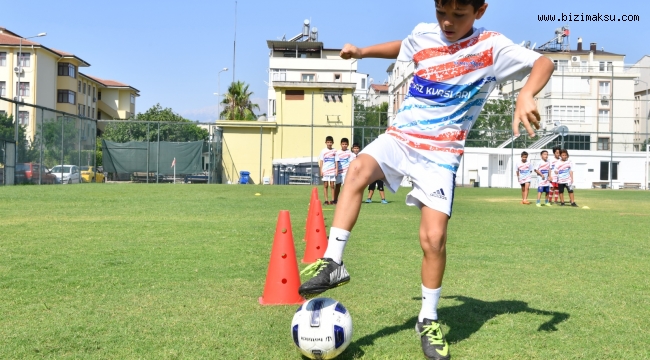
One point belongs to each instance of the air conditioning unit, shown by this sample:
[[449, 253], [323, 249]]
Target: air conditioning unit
[[19, 70], [94, 99], [604, 98], [575, 59]]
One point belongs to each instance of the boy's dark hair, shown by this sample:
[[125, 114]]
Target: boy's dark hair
[[329, 138], [524, 153], [543, 151], [475, 3], [556, 148], [345, 140], [564, 151], [356, 145]]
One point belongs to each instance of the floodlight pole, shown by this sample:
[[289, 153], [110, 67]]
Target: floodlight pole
[[647, 152]]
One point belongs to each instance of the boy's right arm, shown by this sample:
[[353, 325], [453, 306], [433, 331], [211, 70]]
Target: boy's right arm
[[388, 50]]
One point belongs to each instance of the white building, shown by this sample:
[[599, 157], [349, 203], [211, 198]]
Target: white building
[[642, 100], [304, 59], [377, 94]]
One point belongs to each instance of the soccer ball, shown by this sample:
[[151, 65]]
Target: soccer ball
[[322, 328]]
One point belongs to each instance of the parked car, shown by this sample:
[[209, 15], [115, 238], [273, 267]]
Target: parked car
[[67, 174], [31, 173], [90, 174]]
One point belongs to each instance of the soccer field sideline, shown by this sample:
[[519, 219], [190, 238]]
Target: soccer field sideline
[[137, 271]]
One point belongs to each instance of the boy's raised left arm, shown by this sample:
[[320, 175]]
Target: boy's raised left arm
[[526, 109]]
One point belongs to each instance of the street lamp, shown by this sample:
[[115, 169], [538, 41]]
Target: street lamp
[[219, 93], [19, 70]]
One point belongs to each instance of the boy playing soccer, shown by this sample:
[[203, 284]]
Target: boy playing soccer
[[524, 174], [457, 67], [328, 167], [543, 184], [564, 171], [555, 194], [343, 158]]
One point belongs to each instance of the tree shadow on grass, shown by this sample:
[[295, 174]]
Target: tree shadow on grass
[[463, 320]]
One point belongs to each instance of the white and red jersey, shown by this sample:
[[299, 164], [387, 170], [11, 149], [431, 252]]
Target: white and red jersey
[[328, 157], [544, 167], [343, 159], [450, 86], [553, 169], [525, 170], [564, 169]]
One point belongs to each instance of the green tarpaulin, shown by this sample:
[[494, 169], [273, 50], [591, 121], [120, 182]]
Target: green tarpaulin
[[131, 157]]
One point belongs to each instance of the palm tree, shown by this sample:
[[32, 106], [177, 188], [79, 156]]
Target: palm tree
[[237, 103]]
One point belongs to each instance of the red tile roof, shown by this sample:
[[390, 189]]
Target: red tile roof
[[10, 38], [110, 83], [7, 39], [379, 88]]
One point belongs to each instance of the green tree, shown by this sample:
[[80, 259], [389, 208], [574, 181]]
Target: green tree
[[369, 122], [175, 128], [7, 130], [493, 125], [237, 103]]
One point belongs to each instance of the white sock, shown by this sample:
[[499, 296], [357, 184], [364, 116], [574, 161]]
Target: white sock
[[336, 244], [430, 299]]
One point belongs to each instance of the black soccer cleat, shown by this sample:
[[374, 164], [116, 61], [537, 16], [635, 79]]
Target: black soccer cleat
[[326, 274], [574, 204], [434, 345]]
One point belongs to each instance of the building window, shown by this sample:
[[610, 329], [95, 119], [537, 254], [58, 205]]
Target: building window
[[94, 94], [24, 59], [333, 96], [574, 142], [99, 95], [560, 64], [65, 97], [604, 170], [23, 89], [603, 143], [23, 118], [132, 99], [3, 88], [278, 75], [79, 109], [295, 95], [66, 69], [363, 83], [79, 86], [308, 77], [92, 113], [603, 88], [3, 59], [605, 66], [565, 113], [84, 87], [83, 110], [337, 77], [603, 116]]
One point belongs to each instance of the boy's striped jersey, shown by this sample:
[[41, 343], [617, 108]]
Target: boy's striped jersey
[[525, 171], [328, 157], [544, 168], [450, 86], [343, 159], [564, 169], [554, 163]]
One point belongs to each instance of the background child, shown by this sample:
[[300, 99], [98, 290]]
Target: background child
[[543, 185], [328, 167], [379, 185], [355, 150], [564, 170], [524, 173], [343, 158], [555, 194]]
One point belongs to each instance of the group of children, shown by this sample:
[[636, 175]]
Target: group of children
[[554, 176], [334, 165]]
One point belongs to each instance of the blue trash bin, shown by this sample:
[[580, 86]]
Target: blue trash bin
[[244, 177]]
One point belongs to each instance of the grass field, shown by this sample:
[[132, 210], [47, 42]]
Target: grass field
[[104, 271]]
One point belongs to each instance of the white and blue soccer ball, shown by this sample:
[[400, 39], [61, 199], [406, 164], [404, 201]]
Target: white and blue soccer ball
[[322, 328]]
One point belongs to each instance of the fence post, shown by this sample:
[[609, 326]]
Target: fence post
[[63, 118], [611, 137], [148, 152], [311, 159], [40, 150], [158, 156], [79, 149], [261, 127]]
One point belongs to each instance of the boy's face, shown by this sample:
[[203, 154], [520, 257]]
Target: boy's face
[[355, 150], [456, 21], [524, 158], [544, 156], [565, 156], [344, 146], [329, 143], [557, 154]]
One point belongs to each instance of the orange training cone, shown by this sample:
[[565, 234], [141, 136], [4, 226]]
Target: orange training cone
[[282, 278], [314, 198], [316, 236]]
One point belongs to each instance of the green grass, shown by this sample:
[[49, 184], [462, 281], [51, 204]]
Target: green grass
[[103, 271]]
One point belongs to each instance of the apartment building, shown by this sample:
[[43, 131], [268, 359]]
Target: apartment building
[[377, 94], [642, 101], [51, 78]]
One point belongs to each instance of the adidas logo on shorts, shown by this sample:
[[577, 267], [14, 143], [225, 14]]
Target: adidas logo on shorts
[[439, 194]]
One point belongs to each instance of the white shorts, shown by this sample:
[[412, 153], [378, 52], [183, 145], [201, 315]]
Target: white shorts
[[433, 185], [340, 179], [329, 178]]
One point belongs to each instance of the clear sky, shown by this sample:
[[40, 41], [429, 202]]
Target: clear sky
[[172, 50]]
